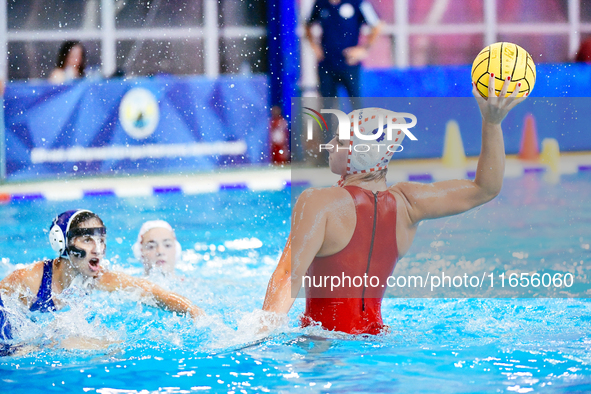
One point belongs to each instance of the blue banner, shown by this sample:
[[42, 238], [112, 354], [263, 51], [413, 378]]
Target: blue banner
[[565, 119], [135, 126], [553, 80]]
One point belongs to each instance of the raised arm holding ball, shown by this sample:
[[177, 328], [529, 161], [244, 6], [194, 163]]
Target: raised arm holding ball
[[364, 227]]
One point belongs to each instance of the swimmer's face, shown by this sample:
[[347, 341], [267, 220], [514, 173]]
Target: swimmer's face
[[159, 250], [337, 158], [93, 247], [74, 58]]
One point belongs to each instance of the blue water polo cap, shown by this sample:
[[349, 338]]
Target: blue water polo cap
[[58, 232]]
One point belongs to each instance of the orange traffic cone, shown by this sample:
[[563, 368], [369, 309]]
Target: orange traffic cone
[[529, 140]]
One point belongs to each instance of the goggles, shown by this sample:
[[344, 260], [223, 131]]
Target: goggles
[[97, 234], [88, 231]]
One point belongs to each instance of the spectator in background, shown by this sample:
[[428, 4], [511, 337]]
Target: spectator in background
[[340, 54], [71, 61], [584, 52]]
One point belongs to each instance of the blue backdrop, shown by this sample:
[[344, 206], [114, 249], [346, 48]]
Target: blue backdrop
[[565, 119], [234, 109], [195, 113], [553, 80], [560, 103]]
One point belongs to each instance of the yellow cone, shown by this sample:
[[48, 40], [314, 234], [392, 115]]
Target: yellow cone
[[550, 154], [453, 148]]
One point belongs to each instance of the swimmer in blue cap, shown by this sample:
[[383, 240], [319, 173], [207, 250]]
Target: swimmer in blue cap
[[79, 239]]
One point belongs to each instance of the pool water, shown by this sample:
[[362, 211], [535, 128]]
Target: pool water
[[232, 241]]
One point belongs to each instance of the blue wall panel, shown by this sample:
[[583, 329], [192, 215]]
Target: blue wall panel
[[194, 112], [553, 80]]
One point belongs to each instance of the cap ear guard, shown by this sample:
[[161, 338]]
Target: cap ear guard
[[364, 159], [59, 230], [369, 121], [57, 240]]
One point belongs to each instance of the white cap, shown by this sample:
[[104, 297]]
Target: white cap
[[367, 122]]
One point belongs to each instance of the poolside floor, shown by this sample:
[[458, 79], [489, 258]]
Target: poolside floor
[[264, 178]]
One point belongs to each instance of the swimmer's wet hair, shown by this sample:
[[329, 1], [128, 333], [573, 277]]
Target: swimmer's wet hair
[[374, 176], [83, 217]]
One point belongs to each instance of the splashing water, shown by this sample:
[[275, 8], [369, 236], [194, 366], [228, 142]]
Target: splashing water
[[113, 343]]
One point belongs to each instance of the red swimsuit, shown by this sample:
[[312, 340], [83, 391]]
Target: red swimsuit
[[355, 306]]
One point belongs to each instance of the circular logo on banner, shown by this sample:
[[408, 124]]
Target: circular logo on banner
[[346, 11], [138, 113]]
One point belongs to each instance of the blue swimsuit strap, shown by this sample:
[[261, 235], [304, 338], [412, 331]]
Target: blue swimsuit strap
[[5, 329], [44, 302], [5, 333]]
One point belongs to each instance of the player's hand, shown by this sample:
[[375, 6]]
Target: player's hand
[[494, 108], [318, 52], [354, 55]]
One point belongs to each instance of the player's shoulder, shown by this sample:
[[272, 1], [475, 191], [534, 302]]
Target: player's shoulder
[[29, 275], [317, 198], [314, 193], [406, 188], [406, 193], [398, 189], [32, 272]]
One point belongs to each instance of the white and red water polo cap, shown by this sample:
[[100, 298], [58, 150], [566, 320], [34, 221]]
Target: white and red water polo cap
[[371, 155]]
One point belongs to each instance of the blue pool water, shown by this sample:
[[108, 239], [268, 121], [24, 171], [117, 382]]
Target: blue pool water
[[232, 241]]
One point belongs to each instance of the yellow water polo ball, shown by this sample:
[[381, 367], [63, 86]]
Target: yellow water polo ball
[[504, 59]]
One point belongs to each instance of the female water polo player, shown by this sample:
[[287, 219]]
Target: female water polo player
[[157, 247], [363, 227], [79, 239]]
